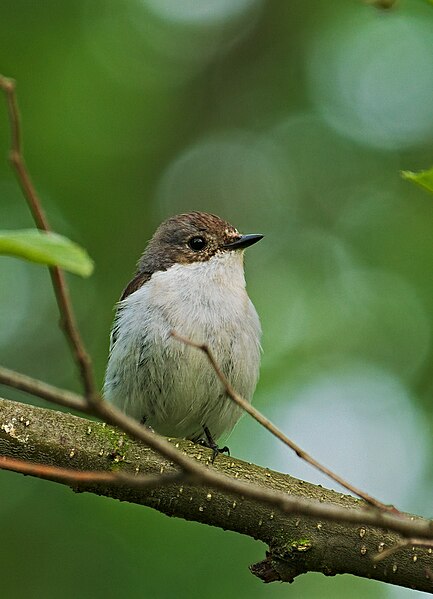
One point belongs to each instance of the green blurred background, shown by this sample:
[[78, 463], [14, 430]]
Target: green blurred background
[[290, 119]]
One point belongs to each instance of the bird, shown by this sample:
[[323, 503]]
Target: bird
[[190, 281]]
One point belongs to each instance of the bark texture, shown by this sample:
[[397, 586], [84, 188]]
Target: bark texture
[[296, 544]]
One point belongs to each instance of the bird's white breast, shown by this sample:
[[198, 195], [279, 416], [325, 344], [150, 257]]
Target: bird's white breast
[[150, 374]]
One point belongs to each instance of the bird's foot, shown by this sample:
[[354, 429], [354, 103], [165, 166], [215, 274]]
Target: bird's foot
[[210, 443]]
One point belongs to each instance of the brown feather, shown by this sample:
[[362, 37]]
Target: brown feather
[[137, 282]]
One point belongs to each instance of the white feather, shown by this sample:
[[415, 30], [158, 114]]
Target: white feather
[[152, 375]]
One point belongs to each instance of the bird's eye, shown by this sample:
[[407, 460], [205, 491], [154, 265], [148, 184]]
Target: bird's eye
[[197, 243]]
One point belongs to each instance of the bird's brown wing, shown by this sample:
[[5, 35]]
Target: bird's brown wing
[[136, 283]]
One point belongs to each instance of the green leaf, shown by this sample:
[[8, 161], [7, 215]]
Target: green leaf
[[46, 248], [422, 178]]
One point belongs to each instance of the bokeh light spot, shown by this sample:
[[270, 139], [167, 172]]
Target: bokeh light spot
[[200, 11], [372, 78]]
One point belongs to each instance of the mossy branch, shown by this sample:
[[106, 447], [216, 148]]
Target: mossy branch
[[295, 544]]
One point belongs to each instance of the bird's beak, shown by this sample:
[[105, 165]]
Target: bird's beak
[[243, 242]]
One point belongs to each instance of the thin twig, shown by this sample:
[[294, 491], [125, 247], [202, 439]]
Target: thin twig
[[261, 419], [404, 544], [64, 398], [80, 477], [68, 320]]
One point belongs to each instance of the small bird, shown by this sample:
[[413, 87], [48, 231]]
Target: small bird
[[190, 279]]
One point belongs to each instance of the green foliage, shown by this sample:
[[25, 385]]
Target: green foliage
[[46, 248], [422, 178]]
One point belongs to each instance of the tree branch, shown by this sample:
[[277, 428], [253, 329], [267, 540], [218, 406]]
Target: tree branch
[[296, 544], [62, 397]]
